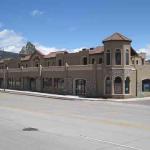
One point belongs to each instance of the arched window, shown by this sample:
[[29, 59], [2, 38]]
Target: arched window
[[118, 85], [108, 58], [127, 57], [146, 85], [127, 85], [118, 57], [108, 85]]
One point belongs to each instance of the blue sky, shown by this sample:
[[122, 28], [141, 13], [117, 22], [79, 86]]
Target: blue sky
[[72, 24]]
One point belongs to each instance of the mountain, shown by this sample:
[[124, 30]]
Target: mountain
[[28, 49], [4, 55]]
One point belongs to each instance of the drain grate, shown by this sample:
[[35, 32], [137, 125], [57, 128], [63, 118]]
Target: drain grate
[[30, 129]]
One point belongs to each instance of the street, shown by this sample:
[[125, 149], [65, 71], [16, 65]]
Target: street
[[72, 124]]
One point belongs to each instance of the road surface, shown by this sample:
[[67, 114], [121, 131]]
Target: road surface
[[72, 125]]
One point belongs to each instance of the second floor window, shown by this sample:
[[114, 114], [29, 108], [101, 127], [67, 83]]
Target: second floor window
[[118, 57], [100, 60], [127, 57], [59, 62], [108, 57], [84, 60], [93, 61]]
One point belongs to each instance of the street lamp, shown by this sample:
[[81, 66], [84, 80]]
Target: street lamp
[[5, 77]]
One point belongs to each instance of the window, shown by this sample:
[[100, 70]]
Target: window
[[118, 57], [137, 62], [37, 65], [127, 85], [47, 82], [26, 65], [100, 60], [59, 62], [59, 83], [18, 65], [108, 57], [133, 62], [18, 83], [48, 63], [118, 85], [142, 61], [84, 60], [108, 86], [93, 61], [146, 85], [127, 57]]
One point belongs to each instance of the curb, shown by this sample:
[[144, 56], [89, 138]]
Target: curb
[[50, 96], [70, 97]]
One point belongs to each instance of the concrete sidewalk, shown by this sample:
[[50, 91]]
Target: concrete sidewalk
[[68, 97]]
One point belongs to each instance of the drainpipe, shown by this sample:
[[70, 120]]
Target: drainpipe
[[136, 83]]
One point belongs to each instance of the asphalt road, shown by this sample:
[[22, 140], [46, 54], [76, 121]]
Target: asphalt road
[[72, 125]]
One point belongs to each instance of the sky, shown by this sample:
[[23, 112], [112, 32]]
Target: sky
[[72, 24]]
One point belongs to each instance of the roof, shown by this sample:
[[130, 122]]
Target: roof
[[25, 58], [50, 55], [97, 50], [117, 37], [53, 54]]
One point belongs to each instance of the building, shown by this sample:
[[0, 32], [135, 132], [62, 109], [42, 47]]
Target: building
[[113, 70]]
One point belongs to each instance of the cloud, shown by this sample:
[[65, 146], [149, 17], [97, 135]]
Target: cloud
[[37, 13], [146, 50], [45, 49], [77, 49], [11, 41]]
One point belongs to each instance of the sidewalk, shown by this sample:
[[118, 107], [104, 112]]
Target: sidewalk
[[68, 97]]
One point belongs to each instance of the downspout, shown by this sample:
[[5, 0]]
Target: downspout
[[136, 83]]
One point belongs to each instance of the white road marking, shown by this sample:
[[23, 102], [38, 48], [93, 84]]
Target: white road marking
[[108, 142]]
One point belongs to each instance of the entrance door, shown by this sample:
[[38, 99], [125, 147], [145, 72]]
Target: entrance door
[[80, 86]]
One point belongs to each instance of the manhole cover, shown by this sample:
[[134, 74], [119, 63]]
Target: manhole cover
[[30, 129]]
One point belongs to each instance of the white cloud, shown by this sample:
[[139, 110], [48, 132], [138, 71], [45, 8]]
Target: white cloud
[[77, 49], [45, 50], [37, 13], [11, 41], [146, 50]]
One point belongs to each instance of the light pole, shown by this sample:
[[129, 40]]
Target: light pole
[[5, 77]]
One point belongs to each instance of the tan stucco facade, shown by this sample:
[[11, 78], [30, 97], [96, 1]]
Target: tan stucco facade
[[86, 73]]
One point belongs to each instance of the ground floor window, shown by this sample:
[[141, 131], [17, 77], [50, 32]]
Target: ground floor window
[[118, 85], [80, 87], [108, 85], [59, 83], [47, 82], [146, 85], [18, 83], [127, 85], [10, 83], [32, 84]]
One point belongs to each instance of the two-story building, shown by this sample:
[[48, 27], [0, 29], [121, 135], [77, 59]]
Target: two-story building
[[112, 70]]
